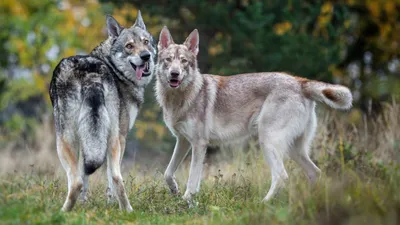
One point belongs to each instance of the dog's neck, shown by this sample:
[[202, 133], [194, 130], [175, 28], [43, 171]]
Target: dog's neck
[[103, 52], [180, 98]]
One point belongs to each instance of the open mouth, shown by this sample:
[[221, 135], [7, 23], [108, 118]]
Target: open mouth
[[174, 83], [142, 70]]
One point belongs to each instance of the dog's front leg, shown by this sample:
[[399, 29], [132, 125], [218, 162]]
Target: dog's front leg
[[180, 151], [196, 169]]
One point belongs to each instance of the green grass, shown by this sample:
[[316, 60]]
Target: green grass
[[360, 184], [342, 197]]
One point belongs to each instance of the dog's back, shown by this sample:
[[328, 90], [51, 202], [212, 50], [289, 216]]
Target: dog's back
[[78, 92]]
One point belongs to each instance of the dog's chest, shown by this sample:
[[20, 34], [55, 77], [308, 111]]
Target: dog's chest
[[180, 125], [132, 114]]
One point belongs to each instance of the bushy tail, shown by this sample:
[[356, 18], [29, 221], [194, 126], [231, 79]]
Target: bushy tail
[[336, 96], [94, 127]]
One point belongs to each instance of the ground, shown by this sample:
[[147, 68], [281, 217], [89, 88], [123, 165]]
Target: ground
[[359, 184], [343, 197]]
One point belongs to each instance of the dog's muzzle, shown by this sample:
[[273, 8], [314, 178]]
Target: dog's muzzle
[[142, 70], [174, 81]]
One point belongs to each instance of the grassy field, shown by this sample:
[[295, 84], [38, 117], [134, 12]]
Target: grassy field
[[360, 184]]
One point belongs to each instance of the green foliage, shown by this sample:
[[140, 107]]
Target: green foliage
[[324, 40]]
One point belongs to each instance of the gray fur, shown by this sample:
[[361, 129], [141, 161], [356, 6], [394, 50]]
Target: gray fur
[[203, 109], [96, 99]]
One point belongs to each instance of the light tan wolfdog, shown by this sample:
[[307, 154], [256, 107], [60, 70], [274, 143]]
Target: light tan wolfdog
[[202, 109]]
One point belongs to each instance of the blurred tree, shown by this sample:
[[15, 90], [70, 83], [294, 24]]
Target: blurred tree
[[35, 35], [326, 40], [372, 52], [354, 42]]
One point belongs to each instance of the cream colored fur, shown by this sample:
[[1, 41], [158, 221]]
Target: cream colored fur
[[209, 109]]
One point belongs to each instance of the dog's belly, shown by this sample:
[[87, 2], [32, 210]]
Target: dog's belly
[[230, 127], [231, 132], [227, 138]]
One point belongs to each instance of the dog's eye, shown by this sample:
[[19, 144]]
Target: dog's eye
[[129, 46], [168, 59], [146, 42], [183, 60]]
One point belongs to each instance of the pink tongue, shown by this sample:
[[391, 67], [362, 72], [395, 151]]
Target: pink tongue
[[139, 72]]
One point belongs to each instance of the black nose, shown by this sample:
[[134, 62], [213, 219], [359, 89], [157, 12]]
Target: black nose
[[145, 55], [174, 74]]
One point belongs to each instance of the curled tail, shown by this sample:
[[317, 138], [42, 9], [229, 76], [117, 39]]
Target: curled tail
[[336, 96], [93, 127]]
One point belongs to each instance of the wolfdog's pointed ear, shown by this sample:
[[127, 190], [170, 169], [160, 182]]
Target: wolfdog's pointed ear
[[139, 21], [165, 39], [113, 27], [192, 42]]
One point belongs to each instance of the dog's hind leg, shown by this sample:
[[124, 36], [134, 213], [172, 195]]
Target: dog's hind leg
[[114, 173], [85, 179], [301, 147], [280, 122], [270, 147], [181, 149], [69, 161]]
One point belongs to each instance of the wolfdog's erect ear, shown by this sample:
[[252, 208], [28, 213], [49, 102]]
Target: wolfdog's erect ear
[[192, 42], [113, 27], [165, 39], [139, 21]]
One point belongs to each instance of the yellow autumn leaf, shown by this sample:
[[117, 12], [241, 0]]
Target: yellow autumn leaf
[[326, 14], [374, 7], [40, 82], [140, 132], [385, 30], [215, 50], [282, 28], [69, 52], [347, 24], [150, 114], [390, 8], [327, 7], [160, 131]]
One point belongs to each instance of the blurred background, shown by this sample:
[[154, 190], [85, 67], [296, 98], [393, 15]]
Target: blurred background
[[351, 42]]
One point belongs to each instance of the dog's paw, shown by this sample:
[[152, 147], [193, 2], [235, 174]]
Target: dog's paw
[[188, 198], [175, 191], [129, 208], [110, 196], [83, 199], [111, 199], [65, 208]]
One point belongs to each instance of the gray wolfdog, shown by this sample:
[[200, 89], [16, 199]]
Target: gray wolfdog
[[202, 109], [96, 99]]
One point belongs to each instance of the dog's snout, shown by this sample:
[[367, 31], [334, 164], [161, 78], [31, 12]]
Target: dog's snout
[[145, 55], [174, 74]]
